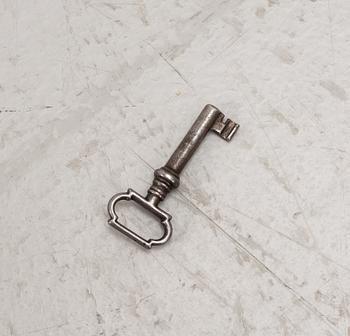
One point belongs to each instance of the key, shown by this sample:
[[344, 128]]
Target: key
[[168, 177]]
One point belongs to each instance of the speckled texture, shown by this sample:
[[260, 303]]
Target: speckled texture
[[88, 90]]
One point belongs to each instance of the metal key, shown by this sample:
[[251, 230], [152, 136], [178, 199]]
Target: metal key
[[167, 177]]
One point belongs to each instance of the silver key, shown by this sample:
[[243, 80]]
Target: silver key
[[167, 177]]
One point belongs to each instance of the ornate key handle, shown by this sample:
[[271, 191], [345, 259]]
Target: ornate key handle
[[167, 177]]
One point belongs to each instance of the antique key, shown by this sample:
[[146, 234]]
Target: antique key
[[167, 177]]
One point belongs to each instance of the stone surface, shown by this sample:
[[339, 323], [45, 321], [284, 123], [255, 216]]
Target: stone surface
[[88, 89]]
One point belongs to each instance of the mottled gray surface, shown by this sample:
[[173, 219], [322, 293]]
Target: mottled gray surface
[[262, 235]]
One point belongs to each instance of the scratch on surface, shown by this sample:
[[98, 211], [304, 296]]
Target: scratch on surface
[[199, 278], [305, 303], [292, 192], [56, 326], [103, 14], [140, 158], [176, 70], [161, 265], [260, 222], [142, 299], [228, 46]]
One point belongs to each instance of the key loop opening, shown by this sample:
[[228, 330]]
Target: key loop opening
[[163, 216]]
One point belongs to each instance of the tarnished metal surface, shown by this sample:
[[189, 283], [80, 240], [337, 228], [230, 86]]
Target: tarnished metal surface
[[167, 177]]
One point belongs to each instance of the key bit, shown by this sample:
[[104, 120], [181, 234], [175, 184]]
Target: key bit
[[168, 177], [225, 129]]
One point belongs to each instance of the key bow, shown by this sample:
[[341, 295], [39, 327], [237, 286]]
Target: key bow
[[163, 216]]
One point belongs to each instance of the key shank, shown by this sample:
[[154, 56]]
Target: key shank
[[167, 177]]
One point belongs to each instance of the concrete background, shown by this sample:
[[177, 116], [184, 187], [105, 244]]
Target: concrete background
[[96, 94]]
